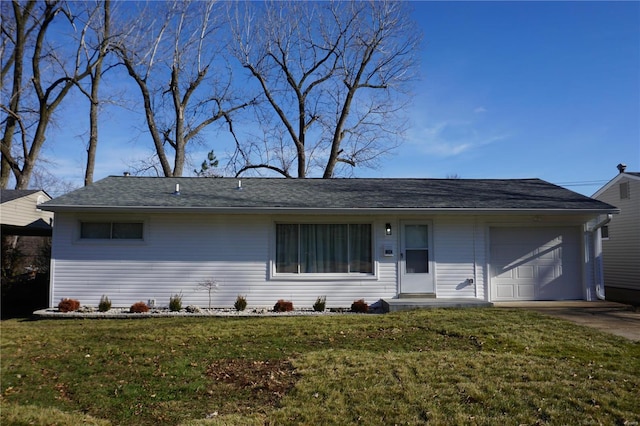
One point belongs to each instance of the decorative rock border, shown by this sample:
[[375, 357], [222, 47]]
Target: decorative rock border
[[123, 313]]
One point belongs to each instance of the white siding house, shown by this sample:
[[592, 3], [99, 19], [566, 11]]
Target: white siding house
[[137, 239], [20, 209], [621, 244]]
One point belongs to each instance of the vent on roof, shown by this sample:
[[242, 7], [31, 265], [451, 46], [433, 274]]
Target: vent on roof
[[239, 188], [177, 191]]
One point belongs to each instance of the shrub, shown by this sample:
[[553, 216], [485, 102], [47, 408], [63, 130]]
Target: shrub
[[360, 306], [283, 306], [68, 305], [105, 304], [193, 309], [175, 303], [241, 303], [320, 304], [139, 307]]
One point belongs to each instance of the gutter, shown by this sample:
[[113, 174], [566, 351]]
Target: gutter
[[597, 252], [315, 210]]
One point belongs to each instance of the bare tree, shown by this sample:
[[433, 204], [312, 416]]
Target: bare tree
[[42, 70], [42, 177], [94, 38], [183, 81], [333, 78]]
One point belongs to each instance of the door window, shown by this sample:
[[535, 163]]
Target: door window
[[416, 249]]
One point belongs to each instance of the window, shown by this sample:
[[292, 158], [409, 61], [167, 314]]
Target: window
[[323, 248], [111, 230], [604, 232]]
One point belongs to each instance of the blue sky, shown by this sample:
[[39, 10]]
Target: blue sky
[[508, 90]]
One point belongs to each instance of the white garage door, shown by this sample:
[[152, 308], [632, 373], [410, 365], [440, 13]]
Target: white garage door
[[535, 264]]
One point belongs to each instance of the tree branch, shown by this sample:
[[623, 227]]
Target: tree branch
[[263, 166]]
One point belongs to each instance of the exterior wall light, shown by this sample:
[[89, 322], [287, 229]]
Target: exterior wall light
[[387, 229]]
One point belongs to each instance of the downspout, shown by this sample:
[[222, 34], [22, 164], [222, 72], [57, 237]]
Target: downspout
[[597, 257], [475, 260]]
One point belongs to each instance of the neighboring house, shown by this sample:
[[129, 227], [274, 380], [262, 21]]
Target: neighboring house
[[621, 239], [26, 232], [140, 238], [20, 213], [26, 251]]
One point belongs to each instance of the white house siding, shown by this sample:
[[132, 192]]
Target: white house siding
[[181, 251], [621, 252], [23, 211], [459, 257]]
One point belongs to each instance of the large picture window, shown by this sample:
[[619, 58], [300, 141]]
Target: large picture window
[[111, 230], [323, 248]]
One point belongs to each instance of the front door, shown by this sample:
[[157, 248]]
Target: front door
[[416, 266]]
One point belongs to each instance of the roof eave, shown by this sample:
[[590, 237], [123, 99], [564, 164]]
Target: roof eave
[[314, 210]]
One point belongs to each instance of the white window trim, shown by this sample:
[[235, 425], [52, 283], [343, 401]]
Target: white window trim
[[310, 277]]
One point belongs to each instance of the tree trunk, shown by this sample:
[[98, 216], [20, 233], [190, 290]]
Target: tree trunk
[[18, 70], [93, 128], [94, 99]]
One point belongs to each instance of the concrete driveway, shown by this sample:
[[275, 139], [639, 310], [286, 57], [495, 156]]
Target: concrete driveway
[[610, 317]]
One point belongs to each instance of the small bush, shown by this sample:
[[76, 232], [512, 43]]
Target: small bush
[[360, 306], [105, 304], [68, 305], [175, 303], [241, 303], [193, 309], [138, 308], [283, 306], [320, 304]]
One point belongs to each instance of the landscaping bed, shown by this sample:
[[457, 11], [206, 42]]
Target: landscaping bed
[[124, 313], [71, 308]]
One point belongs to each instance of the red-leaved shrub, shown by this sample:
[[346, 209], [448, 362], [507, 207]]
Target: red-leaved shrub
[[360, 306], [68, 305], [138, 308], [283, 306]]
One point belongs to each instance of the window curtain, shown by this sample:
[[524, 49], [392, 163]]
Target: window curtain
[[360, 249], [287, 248], [324, 248]]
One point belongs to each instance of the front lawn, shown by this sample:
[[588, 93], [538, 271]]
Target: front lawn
[[441, 366]]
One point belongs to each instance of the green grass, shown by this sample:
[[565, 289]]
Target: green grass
[[441, 366]]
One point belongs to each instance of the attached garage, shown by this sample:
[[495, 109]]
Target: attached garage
[[539, 263]]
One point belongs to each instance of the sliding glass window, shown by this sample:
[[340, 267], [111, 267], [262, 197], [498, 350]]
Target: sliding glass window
[[111, 230]]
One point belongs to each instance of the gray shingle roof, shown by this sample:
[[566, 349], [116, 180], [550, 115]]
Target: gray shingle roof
[[148, 193], [7, 195]]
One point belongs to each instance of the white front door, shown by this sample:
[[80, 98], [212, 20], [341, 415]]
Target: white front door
[[416, 266]]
